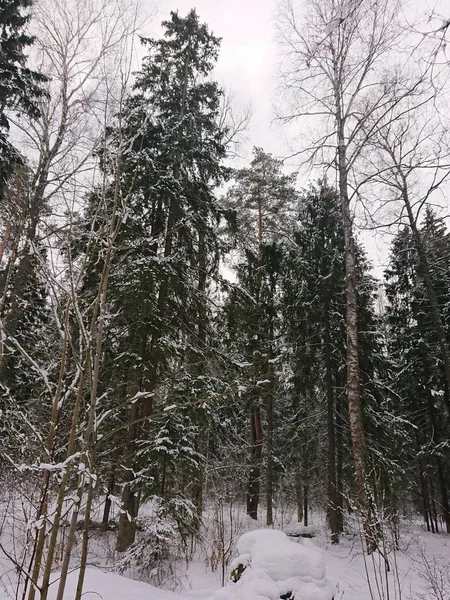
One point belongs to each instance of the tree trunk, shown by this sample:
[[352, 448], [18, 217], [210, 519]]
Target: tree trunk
[[299, 495], [45, 585], [332, 488], [127, 525], [5, 239], [434, 511], [353, 384], [255, 470], [305, 506], [270, 403], [200, 369], [269, 442], [340, 465], [305, 480], [38, 550], [423, 485], [108, 502], [437, 436]]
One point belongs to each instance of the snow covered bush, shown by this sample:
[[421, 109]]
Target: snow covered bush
[[270, 566], [162, 538]]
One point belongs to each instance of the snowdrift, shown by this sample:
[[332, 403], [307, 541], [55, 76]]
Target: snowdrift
[[270, 566]]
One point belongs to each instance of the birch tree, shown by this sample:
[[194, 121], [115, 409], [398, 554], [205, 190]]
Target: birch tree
[[59, 144], [335, 75], [63, 141]]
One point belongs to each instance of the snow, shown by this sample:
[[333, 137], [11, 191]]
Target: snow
[[311, 569], [111, 586], [249, 540], [275, 566]]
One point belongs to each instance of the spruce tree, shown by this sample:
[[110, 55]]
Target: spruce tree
[[420, 382], [167, 254], [20, 87], [314, 312]]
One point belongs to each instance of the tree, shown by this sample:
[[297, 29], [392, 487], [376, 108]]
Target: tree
[[420, 380], [334, 70], [60, 133], [167, 247], [69, 369], [413, 155], [261, 196], [20, 87], [313, 306], [314, 311]]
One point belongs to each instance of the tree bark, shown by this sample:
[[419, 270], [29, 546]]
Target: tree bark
[[255, 470], [353, 383], [332, 487]]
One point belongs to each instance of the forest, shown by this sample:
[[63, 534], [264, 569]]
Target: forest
[[194, 341]]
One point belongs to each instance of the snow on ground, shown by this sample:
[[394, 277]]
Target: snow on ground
[[111, 586], [101, 585], [421, 559]]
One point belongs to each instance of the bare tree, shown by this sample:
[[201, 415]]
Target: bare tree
[[335, 77], [235, 121], [78, 45], [411, 165], [87, 48]]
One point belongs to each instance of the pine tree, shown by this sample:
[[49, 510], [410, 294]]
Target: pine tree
[[261, 196]]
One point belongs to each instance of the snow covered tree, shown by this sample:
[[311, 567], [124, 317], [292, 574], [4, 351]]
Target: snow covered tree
[[167, 250], [260, 198], [20, 87], [314, 312], [335, 69], [420, 381]]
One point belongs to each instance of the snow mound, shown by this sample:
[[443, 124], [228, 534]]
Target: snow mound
[[260, 537], [270, 566]]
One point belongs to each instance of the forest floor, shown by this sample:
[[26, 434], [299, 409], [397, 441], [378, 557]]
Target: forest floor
[[419, 569]]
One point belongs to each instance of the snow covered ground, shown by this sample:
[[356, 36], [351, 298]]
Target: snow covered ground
[[419, 570]]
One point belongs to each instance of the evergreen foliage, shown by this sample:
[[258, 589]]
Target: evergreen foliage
[[20, 87]]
